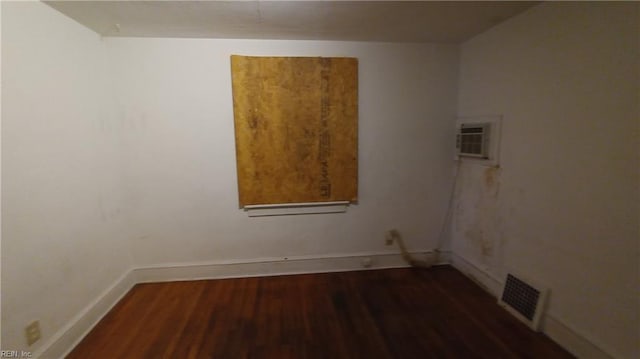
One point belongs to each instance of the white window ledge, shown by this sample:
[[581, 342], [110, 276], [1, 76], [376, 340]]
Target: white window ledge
[[287, 209]]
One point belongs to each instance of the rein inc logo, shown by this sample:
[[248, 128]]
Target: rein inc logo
[[15, 354]]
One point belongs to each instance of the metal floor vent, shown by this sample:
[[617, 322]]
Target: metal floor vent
[[523, 300]]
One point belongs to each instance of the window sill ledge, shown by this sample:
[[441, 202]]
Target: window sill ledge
[[288, 209]]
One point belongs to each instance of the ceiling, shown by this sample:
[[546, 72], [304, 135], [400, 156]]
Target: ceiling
[[387, 21]]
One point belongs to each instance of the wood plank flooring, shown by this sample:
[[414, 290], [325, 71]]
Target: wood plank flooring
[[396, 313]]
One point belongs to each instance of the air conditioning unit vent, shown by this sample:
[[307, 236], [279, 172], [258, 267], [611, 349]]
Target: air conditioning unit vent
[[523, 300], [478, 140], [473, 140]]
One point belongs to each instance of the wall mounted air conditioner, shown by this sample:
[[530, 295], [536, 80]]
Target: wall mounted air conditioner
[[473, 140], [478, 139]]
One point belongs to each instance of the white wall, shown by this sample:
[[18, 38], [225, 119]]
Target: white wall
[[174, 100], [61, 194], [563, 208], [82, 173]]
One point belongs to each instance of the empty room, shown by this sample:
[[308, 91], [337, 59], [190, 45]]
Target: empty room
[[320, 179]]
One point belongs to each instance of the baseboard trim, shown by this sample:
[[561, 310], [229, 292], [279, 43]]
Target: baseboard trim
[[554, 328], [486, 280], [61, 344], [69, 336], [575, 343], [277, 266]]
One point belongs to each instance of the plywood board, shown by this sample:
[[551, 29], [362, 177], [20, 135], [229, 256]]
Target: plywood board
[[296, 129]]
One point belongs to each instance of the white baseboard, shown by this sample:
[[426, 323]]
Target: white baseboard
[[276, 266], [71, 334], [484, 279], [68, 337], [575, 343], [554, 328]]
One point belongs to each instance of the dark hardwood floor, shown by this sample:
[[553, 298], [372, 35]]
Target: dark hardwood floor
[[396, 313]]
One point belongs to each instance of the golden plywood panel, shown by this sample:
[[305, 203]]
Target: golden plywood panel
[[296, 128]]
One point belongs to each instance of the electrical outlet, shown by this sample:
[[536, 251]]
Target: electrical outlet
[[32, 332]]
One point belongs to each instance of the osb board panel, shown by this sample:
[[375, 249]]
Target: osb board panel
[[296, 129]]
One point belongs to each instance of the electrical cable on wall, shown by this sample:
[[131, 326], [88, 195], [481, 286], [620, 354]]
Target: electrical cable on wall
[[394, 236], [449, 213], [487, 155]]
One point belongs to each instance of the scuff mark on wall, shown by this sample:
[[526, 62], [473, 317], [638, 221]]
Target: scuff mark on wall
[[492, 180], [481, 227], [476, 234]]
